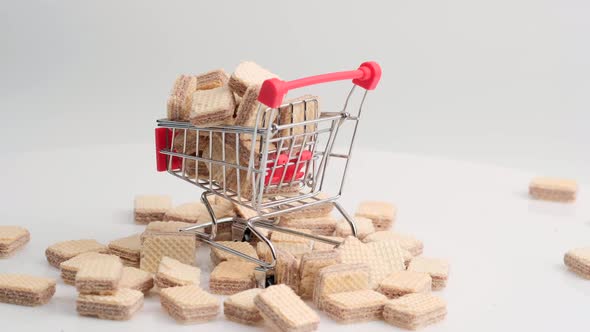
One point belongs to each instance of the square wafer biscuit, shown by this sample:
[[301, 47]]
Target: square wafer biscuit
[[218, 255], [438, 269], [553, 189], [179, 246], [232, 277], [12, 238], [248, 74], [240, 307], [294, 248], [364, 227], [148, 208], [405, 282], [172, 273], [578, 260], [287, 270], [128, 249], [285, 311], [119, 306], [383, 258], [315, 225], [181, 98], [212, 79], [407, 242], [382, 214], [414, 311], [313, 211], [62, 251], [189, 304], [355, 306], [25, 290], [340, 278], [213, 107], [188, 212], [134, 278], [311, 264], [99, 276], [69, 268]]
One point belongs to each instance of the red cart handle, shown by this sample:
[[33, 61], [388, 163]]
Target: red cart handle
[[274, 90]]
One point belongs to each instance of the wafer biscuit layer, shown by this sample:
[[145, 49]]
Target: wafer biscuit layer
[[355, 306], [70, 268], [382, 214], [240, 307], [119, 306], [212, 79], [189, 304], [248, 74], [405, 282], [12, 238], [181, 98], [99, 276], [578, 260], [134, 278], [62, 251], [212, 107], [231, 277], [148, 208], [311, 264], [553, 189], [172, 273], [128, 248], [414, 311], [407, 242], [364, 227], [180, 246], [438, 269], [26, 290], [285, 311], [218, 255]]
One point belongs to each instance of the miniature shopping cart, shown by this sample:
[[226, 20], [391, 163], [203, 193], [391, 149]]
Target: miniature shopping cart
[[279, 165]]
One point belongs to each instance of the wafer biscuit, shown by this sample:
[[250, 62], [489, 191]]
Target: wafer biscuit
[[164, 227], [212, 79], [212, 107], [172, 273], [240, 307], [188, 212], [364, 227], [312, 211], [218, 255], [294, 248], [294, 111], [355, 306], [232, 277], [134, 278], [277, 236], [414, 311], [148, 208], [12, 238], [383, 258], [69, 268], [99, 276], [128, 249], [25, 290], [311, 264], [553, 189], [285, 311], [407, 242], [62, 251], [578, 260], [189, 304], [323, 246], [247, 112], [438, 269], [316, 225], [248, 74], [340, 278], [287, 270], [382, 214], [179, 246], [181, 98], [405, 282], [119, 306]]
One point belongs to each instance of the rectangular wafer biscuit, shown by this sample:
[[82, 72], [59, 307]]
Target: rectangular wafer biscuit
[[218, 255], [69, 268], [355, 306], [340, 278], [405, 282], [311, 264], [578, 260], [363, 225], [382, 214], [99, 276], [213, 107], [233, 276], [179, 246], [248, 74], [287, 270], [285, 311], [128, 249], [553, 189], [25, 290], [148, 208], [62, 251], [181, 97], [407, 242], [119, 306], [189, 304], [212, 79], [438, 269], [12, 238], [172, 273], [240, 307], [134, 278], [414, 311], [315, 225]]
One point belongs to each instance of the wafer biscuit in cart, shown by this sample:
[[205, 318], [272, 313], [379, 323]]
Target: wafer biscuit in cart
[[246, 75], [315, 225], [181, 98], [148, 208], [340, 278], [62, 251], [382, 214], [414, 311], [553, 189], [212, 79], [69, 268], [240, 307], [311, 264], [355, 306], [407, 242], [99, 276], [213, 107], [120, 306], [364, 227], [298, 110], [232, 277], [12, 238], [172, 273], [247, 112], [189, 304], [26, 290], [134, 278], [218, 255], [285, 311], [128, 249], [438, 269], [179, 246], [405, 282], [578, 260]]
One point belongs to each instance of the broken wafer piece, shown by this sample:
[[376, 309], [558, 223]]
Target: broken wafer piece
[[438, 269], [232, 276], [340, 278], [134, 278], [364, 227], [172, 273], [189, 304], [240, 307], [62, 251], [119, 306], [414, 311], [578, 260], [218, 255], [355, 306], [128, 249], [407, 242], [212, 79], [310, 265], [248, 74], [315, 225], [405, 282], [25, 290], [179, 246], [70, 268], [99, 276], [382, 214], [285, 311], [213, 107], [553, 189], [12, 238], [148, 208], [181, 97]]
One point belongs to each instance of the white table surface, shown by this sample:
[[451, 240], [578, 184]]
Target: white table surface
[[505, 250]]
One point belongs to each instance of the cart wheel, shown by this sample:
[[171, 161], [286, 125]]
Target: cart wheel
[[270, 280], [247, 236]]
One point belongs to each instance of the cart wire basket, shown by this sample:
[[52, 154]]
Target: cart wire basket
[[275, 167]]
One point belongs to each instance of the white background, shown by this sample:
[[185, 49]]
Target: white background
[[500, 85]]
